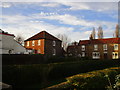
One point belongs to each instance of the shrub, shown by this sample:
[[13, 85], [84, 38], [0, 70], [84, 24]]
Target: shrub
[[89, 81], [23, 75]]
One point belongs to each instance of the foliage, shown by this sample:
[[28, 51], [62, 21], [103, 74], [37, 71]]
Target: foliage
[[117, 80], [111, 85], [26, 75], [91, 80]]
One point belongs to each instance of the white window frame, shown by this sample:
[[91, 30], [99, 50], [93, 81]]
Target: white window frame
[[96, 55], [28, 43], [83, 54], [39, 42], [105, 47], [54, 43], [95, 47], [83, 47], [33, 43], [115, 55], [115, 48], [54, 52]]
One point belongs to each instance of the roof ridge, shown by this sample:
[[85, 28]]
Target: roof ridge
[[42, 35]]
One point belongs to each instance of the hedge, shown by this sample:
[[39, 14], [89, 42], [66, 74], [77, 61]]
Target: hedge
[[22, 59], [27, 75], [89, 81]]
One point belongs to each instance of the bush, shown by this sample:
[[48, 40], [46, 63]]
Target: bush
[[22, 59], [62, 70], [26, 75], [20, 76], [89, 81], [92, 80]]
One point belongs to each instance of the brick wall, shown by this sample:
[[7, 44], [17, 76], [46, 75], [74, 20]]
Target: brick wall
[[49, 48], [36, 46]]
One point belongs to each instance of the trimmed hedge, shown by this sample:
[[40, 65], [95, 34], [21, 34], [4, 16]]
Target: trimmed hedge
[[89, 81], [22, 59], [20, 76]]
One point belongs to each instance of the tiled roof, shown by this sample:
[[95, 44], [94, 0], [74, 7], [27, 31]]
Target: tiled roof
[[72, 47], [43, 35], [84, 42], [100, 41], [7, 34]]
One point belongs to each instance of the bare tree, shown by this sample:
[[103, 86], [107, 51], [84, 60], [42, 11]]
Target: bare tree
[[117, 31], [92, 35], [65, 40], [100, 32], [19, 39]]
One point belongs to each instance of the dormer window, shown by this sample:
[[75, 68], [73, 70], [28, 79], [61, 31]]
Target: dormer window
[[104, 46], [54, 43], [33, 43], [95, 47], [83, 47], [39, 42], [115, 46]]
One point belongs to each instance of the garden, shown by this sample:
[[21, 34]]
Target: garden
[[39, 76]]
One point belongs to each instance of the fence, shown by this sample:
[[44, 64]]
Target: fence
[[22, 59]]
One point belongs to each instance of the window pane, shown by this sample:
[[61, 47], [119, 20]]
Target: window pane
[[83, 47], [39, 42], [54, 43], [95, 47]]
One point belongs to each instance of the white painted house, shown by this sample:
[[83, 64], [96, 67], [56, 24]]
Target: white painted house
[[8, 45]]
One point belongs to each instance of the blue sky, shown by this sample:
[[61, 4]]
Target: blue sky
[[75, 19]]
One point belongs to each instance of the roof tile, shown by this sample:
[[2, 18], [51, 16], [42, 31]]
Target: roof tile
[[43, 35]]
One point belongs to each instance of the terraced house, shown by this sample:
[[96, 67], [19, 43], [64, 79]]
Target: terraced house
[[44, 43], [101, 48]]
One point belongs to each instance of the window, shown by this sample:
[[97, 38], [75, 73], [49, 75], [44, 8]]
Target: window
[[39, 42], [38, 50], [27, 43], [115, 55], [33, 43], [104, 46], [83, 54], [95, 47], [83, 47], [54, 52], [96, 55], [54, 43], [105, 54], [115, 46]]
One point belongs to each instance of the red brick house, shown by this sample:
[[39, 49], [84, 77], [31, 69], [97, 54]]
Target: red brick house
[[101, 48], [44, 43], [108, 48]]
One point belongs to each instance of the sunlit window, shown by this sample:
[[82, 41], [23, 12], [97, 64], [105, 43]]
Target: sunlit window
[[39, 42], [115, 46], [33, 43]]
